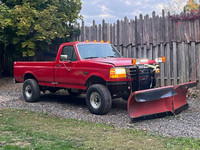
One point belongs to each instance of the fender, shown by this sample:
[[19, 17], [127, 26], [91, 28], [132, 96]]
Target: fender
[[96, 75], [29, 72]]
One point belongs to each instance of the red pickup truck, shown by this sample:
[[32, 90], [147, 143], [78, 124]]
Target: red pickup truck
[[95, 68]]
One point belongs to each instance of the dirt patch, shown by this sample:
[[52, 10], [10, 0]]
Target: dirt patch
[[7, 83], [7, 132], [21, 144]]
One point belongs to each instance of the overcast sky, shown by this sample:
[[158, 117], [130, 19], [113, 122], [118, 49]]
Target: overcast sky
[[111, 10]]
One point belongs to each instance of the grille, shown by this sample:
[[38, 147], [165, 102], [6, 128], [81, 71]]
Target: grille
[[141, 77], [142, 72]]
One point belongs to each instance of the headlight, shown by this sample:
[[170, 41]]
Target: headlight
[[117, 73]]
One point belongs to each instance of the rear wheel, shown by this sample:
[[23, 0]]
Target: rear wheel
[[31, 90], [98, 99]]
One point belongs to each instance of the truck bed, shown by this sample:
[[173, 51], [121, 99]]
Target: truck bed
[[42, 71]]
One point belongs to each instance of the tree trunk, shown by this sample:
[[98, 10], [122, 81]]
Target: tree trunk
[[2, 50], [1, 62]]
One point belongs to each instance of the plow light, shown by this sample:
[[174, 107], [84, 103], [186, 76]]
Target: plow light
[[117, 73], [139, 61], [134, 62], [160, 59]]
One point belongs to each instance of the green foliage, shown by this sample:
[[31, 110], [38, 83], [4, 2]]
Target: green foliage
[[30, 25], [192, 6]]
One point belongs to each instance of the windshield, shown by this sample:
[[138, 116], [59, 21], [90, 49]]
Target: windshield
[[89, 51]]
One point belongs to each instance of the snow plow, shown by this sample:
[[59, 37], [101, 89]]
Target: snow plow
[[169, 99], [150, 102]]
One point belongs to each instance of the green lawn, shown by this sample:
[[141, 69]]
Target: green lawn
[[21, 129]]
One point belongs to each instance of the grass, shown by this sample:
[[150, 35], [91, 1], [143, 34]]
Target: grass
[[21, 129]]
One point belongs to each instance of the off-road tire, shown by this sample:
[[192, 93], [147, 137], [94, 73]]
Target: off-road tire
[[31, 90], [103, 93]]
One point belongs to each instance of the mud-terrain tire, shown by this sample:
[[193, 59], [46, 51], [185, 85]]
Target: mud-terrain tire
[[31, 90], [98, 99]]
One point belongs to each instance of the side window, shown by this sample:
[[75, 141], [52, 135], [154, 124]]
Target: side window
[[70, 52]]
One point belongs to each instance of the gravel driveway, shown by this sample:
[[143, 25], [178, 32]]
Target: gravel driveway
[[186, 124]]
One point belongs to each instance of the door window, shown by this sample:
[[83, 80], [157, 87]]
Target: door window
[[70, 53]]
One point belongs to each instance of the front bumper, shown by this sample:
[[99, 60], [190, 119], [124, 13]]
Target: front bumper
[[119, 89]]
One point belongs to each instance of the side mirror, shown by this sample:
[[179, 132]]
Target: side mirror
[[63, 57]]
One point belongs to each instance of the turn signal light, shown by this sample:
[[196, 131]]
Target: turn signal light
[[157, 70]]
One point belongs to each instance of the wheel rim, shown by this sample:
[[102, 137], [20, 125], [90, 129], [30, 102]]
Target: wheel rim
[[95, 100], [28, 91]]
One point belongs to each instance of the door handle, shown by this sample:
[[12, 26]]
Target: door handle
[[58, 65]]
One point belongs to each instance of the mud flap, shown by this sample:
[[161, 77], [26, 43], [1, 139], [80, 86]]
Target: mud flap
[[159, 100]]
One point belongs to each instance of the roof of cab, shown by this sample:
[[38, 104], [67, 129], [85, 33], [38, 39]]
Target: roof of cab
[[77, 42]]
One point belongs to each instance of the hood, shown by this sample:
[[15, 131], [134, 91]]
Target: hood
[[122, 61]]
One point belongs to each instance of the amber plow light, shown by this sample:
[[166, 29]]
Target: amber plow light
[[117, 73], [163, 59], [134, 62]]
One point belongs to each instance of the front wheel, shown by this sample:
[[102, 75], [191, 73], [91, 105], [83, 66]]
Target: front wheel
[[31, 90], [98, 99]]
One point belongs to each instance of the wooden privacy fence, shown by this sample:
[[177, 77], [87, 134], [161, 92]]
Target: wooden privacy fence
[[175, 37], [8, 64]]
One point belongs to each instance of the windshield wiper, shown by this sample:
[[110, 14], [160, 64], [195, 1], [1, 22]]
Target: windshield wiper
[[111, 56], [90, 57]]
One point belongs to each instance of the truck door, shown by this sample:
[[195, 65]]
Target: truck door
[[66, 69]]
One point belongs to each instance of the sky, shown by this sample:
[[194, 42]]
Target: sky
[[112, 10]]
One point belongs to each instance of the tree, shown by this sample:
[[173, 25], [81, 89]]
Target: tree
[[30, 25], [174, 6], [192, 6]]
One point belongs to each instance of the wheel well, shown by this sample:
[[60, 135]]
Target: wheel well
[[95, 80], [29, 76]]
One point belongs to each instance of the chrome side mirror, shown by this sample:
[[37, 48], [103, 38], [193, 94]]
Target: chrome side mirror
[[63, 57]]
